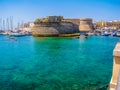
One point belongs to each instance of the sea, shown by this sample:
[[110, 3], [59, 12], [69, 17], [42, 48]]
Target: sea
[[56, 63]]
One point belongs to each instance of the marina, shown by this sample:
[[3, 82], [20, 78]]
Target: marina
[[59, 45], [55, 53]]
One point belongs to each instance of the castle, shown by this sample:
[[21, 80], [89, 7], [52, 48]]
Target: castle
[[58, 26]]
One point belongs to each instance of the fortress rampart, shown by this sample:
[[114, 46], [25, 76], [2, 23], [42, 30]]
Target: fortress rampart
[[86, 25], [57, 25]]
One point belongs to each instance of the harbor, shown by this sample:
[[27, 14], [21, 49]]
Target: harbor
[[47, 63], [47, 67], [59, 45]]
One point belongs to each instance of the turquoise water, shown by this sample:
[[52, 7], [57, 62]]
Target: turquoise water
[[29, 63]]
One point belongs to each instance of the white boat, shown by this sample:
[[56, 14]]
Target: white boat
[[106, 33], [15, 34], [5, 33], [83, 36], [90, 34], [118, 34]]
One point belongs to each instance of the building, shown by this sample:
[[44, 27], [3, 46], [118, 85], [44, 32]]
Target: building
[[26, 26], [113, 24], [109, 25]]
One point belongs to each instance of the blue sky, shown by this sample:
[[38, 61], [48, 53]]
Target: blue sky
[[29, 10]]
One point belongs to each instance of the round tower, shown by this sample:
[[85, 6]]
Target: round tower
[[85, 25]]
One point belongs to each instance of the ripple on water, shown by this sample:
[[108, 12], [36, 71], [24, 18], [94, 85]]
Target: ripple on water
[[56, 63]]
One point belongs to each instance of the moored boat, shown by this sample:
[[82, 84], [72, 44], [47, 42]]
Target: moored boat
[[106, 33], [118, 34], [16, 34]]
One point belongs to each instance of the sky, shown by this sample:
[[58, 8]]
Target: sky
[[29, 10]]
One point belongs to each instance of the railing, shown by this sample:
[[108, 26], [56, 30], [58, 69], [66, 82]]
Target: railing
[[118, 83], [115, 80]]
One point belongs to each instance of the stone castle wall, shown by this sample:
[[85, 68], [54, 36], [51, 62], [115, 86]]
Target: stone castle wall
[[85, 25], [54, 29], [56, 25], [75, 21]]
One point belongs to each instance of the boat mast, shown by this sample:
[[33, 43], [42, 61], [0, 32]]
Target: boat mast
[[11, 22], [18, 25], [22, 25], [7, 21], [3, 24]]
